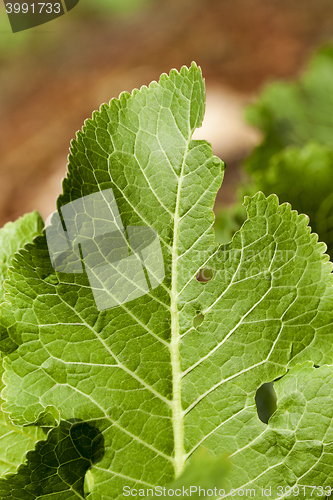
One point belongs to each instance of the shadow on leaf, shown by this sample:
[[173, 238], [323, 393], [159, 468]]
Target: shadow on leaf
[[57, 465]]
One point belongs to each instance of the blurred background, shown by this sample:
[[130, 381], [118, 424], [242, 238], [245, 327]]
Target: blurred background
[[53, 76]]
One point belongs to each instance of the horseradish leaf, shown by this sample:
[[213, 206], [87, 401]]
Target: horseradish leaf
[[15, 441], [170, 361]]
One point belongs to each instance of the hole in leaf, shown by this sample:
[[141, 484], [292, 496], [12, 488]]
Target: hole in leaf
[[266, 401], [198, 320], [205, 274]]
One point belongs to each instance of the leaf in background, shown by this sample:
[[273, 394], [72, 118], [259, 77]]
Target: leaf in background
[[294, 113], [114, 7], [15, 441], [304, 178], [157, 383], [228, 220]]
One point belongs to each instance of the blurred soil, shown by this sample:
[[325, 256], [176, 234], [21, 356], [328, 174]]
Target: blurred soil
[[47, 92]]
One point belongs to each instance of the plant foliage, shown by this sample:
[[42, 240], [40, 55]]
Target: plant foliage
[[295, 158], [15, 441], [147, 384], [295, 113]]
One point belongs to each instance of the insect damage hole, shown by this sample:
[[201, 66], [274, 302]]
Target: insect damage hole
[[265, 399], [205, 274], [198, 320]]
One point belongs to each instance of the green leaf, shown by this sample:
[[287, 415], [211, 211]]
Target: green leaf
[[108, 7], [228, 220], [292, 454], [294, 160], [177, 369], [295, 113], [13, 236], [15, 441], [304, 177], [58, 465], [203, 475]]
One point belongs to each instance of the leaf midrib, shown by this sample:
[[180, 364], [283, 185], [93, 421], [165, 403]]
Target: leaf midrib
[[177, 411]]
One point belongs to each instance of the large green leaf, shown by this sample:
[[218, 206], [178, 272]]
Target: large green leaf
[[295, 113], [178, 368]]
